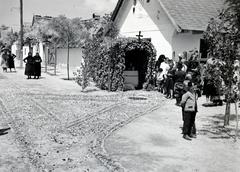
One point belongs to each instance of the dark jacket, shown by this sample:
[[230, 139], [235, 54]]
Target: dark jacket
[[37, 65], [29, 69]]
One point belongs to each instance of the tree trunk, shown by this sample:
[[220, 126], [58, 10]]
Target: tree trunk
[[21, 34], [55, 60], [68, 58], [236, 112], [227, 113], [228, 105]]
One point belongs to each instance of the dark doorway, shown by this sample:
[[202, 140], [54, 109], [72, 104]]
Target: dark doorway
[[203, 50], [136, 60]]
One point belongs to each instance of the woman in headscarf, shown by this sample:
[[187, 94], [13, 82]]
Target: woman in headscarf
[[37, 66], [11, 64], [29, 69]]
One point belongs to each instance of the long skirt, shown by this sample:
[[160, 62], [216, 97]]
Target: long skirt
[[29, 69], [11, 63], [37, 69]]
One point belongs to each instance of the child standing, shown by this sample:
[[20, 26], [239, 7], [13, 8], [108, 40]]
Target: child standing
[[189, 105]]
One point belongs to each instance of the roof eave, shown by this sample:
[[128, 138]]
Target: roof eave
[[178, 28], [116, 10]]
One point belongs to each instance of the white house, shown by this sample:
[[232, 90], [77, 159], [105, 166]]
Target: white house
[[174, 26]]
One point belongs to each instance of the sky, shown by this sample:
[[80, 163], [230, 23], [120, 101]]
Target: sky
[[9, 9]]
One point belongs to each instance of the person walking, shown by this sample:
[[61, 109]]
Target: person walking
[[189, 105], [29, 69], [37, 66]]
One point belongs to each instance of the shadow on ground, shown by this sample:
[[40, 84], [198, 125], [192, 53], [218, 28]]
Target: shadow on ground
[[70, 79], [3, 131], [215, 129]]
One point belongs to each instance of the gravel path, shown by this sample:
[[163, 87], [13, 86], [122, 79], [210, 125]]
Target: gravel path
[[58, 128]]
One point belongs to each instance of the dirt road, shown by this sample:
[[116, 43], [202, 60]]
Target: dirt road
[[56, 127]]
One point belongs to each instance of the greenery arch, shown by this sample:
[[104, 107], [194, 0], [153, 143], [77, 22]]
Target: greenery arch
[[147, 46], [104, 62]]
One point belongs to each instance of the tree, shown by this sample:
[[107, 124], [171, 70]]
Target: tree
[[67, 33], [234, 6], [222, 36], [4, 27], [61, 31], [9, 37]]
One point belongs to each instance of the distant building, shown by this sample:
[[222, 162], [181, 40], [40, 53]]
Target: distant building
[[47, 49], [174, 26], [37, 19]]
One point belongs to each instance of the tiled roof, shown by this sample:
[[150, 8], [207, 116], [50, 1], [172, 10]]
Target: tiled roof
[[191, 14], [186, 14]]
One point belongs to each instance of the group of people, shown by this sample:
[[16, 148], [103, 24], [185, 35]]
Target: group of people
[[33, 63], [213, 83], [33, 66], [7, 60], [181, 80], [172, 77]]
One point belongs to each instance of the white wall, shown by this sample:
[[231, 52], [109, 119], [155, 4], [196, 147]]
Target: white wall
[[185, 42], [14, 48], [75, 56], [25, 51], [151, 19], [38, 48]]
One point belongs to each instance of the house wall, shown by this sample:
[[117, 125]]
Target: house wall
[[185, 42], [75, 56], [15, 50], [25, 51], [25, 54], [150, 19], [38, 48]]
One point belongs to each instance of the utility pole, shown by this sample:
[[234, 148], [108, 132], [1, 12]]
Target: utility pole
[[21, 34]]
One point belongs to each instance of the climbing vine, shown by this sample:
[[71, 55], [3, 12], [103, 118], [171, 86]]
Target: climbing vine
[[105, 61]]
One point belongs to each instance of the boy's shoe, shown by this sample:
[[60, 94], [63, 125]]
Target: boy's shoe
[[4, 129], [193, 136], [186, 137]]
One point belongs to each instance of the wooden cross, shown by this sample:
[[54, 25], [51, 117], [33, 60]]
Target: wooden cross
[[139, 36]]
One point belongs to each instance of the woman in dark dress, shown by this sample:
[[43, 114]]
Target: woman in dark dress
[[11, 61], [37, 66], [29, 69]]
